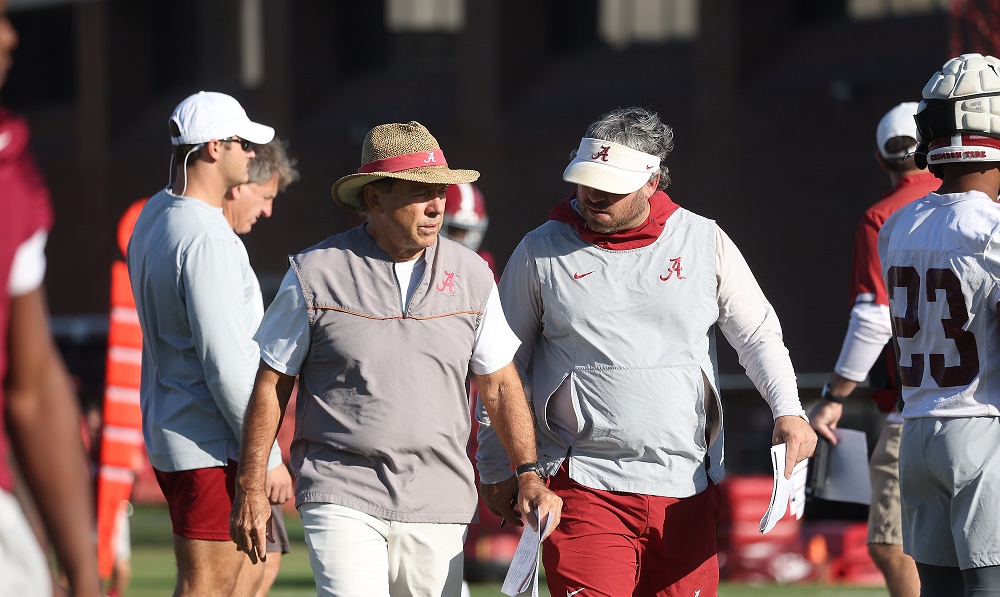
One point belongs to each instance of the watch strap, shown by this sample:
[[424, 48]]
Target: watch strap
[[530, 467], [827, 395]]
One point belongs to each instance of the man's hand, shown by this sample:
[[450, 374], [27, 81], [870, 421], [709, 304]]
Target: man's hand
[[278, 485], [825, 415], [530, 495], [535, 499], [256, 487], [500, 499], [799, 440], [248, 522], [824, 418]]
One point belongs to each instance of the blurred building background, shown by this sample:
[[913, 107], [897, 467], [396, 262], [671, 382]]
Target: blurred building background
[[774, 106]]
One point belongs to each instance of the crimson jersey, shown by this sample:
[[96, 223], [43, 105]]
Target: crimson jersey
[[24, 200]]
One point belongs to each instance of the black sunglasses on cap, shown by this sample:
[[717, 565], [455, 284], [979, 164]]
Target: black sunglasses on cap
[[246, 145]]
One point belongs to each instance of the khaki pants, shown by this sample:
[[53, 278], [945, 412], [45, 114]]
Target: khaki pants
[[885, 525], [353, 553]]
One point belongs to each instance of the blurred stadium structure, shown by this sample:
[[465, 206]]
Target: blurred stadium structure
[[773, 105]]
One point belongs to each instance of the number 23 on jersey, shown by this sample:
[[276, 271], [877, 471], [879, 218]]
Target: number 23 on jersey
[[919, 293]]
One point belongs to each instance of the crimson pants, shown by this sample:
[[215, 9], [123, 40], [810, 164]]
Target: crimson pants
[[621, 544]]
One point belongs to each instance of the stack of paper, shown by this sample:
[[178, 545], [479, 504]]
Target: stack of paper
[[523, 571], [844, 472], [786, 492]]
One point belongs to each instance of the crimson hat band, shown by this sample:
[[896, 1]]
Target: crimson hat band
[[409, 161]]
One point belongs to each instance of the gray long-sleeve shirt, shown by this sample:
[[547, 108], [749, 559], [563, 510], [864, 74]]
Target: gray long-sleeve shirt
[[199, 305]]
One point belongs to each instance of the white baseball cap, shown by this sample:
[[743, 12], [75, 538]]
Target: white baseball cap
[[209, 115], [610, 167], [898, 122]]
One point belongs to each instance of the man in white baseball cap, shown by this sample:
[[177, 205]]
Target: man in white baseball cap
[[615, 300], [209, 115], [199, 303], [866, 343]]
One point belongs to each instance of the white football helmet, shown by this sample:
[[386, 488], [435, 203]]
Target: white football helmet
[[465, 218], [959, 117]]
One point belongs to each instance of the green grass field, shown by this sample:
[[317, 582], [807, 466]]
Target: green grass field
[[154, 571]]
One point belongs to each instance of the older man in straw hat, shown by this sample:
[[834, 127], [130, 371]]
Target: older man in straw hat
[[382, 323]]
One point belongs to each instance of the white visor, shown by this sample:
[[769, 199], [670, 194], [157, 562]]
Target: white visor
[[610, 167]]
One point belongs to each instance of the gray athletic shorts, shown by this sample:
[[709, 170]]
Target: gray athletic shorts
[[949, 470], [281, 544], [885, 524]]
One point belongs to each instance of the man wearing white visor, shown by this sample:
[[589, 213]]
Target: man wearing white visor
[[615, 300], [199, 304]]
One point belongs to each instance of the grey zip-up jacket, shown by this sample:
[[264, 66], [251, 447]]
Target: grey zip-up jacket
[[633, 333], [382, 416]]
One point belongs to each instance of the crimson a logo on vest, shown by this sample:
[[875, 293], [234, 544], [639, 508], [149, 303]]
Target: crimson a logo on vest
[[675, 268], [448, 284]]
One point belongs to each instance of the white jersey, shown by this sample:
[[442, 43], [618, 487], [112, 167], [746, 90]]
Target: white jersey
[[941, 262]]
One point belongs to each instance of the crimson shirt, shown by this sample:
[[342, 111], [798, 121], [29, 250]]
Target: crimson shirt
[[866, 271]]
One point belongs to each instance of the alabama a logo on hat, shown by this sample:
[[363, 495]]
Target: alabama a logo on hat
[[603, 153]]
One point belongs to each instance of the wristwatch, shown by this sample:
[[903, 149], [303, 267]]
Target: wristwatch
[[531, 467], [829, 397]]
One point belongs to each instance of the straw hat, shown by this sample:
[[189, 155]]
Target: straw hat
[[402, 151]]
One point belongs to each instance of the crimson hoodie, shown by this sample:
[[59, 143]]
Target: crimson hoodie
[[661, 207]]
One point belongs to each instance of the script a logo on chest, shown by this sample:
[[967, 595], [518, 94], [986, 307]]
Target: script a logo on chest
[[447, 284], [674, 271]]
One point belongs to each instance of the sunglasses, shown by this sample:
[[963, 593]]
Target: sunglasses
[[246, 145]]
